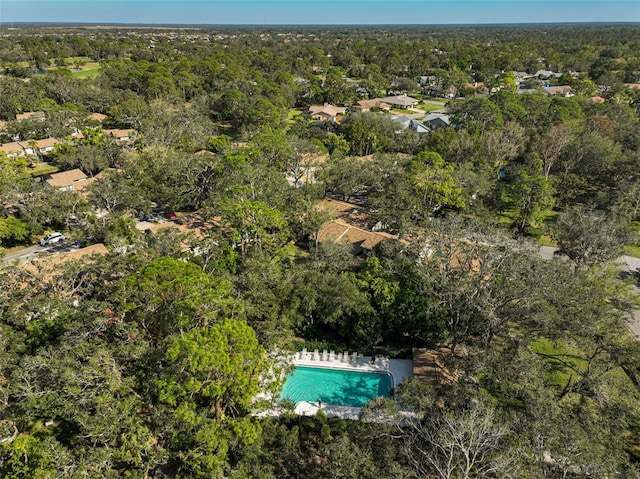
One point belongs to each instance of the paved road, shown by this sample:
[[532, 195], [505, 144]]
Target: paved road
[[627, 264], [24, 255]]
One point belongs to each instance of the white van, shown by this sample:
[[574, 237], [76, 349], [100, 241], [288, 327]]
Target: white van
[[52, 238]]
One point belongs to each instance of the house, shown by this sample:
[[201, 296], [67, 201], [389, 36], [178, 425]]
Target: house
[[361, 240], [352, 214], [364, 106], [46, 145], [436, 90], [122, 136], [305, 170], [597, 99], [71, 180], [408, 123], [546, 74], [99, 117], [326, 112], [349, 224], [14, 149], [436, 120], [401, 101], [425, 80], [564, 90], [31, 115]]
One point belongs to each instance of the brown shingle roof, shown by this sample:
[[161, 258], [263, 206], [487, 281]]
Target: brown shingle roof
[[98, 117], [47, 143], [117, 133], [369, 104], [13, 147], [326, 110], [66, 178], [342, 232]]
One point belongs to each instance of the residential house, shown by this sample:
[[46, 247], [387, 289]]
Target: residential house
[[520, 77], [438, 91], [14, 149], [408, 123], [436, 120], [31, 115], [46, 145], [564, 90], [546, 74], [597, 99], [122, 136], [29, 148], [326, 112], [401, 101], [425, 80], [349, 225], [99, 117], [364, 106], [361, 240], [71, 180]]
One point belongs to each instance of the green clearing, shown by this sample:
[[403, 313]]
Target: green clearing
[[41, 170], [560, 358], [292, 115], [429, 107], [89, 70]]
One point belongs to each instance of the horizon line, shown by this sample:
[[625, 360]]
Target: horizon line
[[200, 25]]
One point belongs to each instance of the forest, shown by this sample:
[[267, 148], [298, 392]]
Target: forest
[[145, 360]]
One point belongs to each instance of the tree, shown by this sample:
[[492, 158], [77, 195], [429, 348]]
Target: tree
[[219, 368], [531, 194], [434, 181], [12, 231], [477, 115], [253, 223], [589, 237], [552, 144], [368, 133], [14, 178], [461, 445], [170, 295]]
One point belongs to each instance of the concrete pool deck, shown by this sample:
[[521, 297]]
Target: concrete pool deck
[[398, 369]]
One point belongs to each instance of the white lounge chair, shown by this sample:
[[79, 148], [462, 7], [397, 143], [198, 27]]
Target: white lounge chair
[[332, 356], [345, 357], [325, 355]]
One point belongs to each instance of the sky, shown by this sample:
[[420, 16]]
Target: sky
[[316, 12]]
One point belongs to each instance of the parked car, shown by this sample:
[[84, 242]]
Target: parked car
[[52, 238], [170, 215]]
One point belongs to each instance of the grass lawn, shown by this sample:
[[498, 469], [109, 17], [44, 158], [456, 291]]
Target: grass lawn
[[429, 107], [41, 170], [89, 70], [292, 114], [632, 250]]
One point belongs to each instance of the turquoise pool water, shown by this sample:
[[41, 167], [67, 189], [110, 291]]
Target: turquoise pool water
[[335, 386]]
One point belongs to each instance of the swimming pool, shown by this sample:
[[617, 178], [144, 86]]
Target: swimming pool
[[335, 386]]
